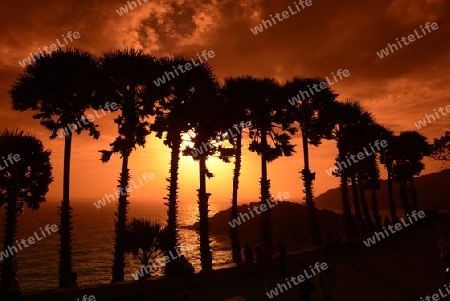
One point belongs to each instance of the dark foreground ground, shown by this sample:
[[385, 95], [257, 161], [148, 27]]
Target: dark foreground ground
[[404, 266]]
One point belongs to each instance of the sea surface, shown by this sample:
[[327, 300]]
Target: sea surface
[[93, 238]]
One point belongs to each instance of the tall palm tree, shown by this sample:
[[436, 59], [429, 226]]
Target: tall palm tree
[[413, 147], [362, 137], [129, 73], [268, 115], [236, 95], [420, 148], [172, 122], [25, 181], [350, 117], [61, 87], [372, 174], [373, 184], [387, 157], [363, 176], [313, 115], [357, 204], [346, 206], [205, 120]]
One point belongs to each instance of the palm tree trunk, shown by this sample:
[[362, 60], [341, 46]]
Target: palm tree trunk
[[172, 211], [404, 197], [205, 249], [414, 195], [365, 207], [65, 213], [235, 246], [394, 216], [9, 263], [346, 208], [308, 178], [120, 228], [376, 210], [265, 195], [358, 213]]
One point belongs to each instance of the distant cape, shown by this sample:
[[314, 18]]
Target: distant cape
[[290, 219], [289, 224], [432, 190]]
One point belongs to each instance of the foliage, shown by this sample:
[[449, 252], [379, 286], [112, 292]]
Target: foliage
[[440, 150], [144, 240]]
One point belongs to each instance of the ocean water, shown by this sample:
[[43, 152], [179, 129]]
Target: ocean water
[[93, 238]]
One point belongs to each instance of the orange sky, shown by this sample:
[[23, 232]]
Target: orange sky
[[329, 35]]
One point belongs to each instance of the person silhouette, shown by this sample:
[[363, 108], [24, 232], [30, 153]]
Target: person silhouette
[[140, 293], [188, 269], [248, 254], [15, 289], [186, 296], [71, 288], [444, 247], [327, 281], [282, 257], [306, 287], [258, 252]]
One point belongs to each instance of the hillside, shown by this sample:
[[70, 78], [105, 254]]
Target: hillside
[[432, 190], [289, 224]]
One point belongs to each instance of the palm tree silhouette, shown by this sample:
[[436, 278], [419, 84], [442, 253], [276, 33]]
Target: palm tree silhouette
[[61, 87], [267, 113], [372, 173], [172, 120], [313, 116], [350, 116], [204, 113], [236, 95], [361, 138], [387, 157], [367, 174], [371, 182], [24, 182], [412, 148], [129, 73]]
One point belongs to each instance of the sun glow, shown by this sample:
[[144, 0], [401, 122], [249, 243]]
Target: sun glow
[[186, 140], [213, 162]]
